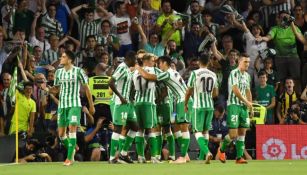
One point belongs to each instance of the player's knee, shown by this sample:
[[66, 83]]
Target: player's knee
[[233, 136]]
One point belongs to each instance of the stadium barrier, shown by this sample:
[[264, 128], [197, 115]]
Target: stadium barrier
[[279, 142]]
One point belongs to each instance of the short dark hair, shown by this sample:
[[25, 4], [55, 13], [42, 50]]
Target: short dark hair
[[89, 10], [130, 55], [195, 23], [90, 36], [106, 21], [244, 55], [194, 1], [220, 108], [70, 55], [166, 59], [165, 1], [261, 73], [283, 12], [118, 4], [204, 59], [27, 83]]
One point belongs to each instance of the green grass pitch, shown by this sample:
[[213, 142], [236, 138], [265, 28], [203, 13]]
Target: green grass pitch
[[291, 167]]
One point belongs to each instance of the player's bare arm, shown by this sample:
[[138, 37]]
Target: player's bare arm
[[89, 98], [146, 75], [188, 94], [238, 94], [114, 89]]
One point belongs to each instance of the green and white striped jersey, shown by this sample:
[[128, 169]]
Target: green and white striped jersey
[[145, 90], [70, 82], [123, 79], [203, 81], [242, 80], [50, 56], [175, 83], [86, 29], [159, 87]]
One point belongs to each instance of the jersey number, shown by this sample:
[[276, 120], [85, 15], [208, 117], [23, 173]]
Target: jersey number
[[234, 118], [142, 86], [207, 84], [100, 94]]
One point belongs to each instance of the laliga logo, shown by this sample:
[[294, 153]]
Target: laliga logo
[[274, 149]]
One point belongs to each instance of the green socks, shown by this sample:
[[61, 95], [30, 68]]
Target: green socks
[[153, 144], [71, 145], [171, 144], [225, 143], [129, 140], [185, 143], [65, 141], [140, 144], [201, 143], [114, 144], [121, 143], [240, 146], [159, 143]]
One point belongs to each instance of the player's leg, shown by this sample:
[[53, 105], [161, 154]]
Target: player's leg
[[207, 125], [133, 128], [170, 141], [159, 138], [149, 112], [62, 125], [197, 121], [74, 122], [139, 138], [119, 119], [240, 144], [164, 115], [122, 137], [183, 119], [233, 124], [140, 145]]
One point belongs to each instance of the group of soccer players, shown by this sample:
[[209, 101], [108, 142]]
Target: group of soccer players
[[146, 91]]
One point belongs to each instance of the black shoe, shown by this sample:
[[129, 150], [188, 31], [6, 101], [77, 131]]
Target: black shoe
[[113, 161], [124, 159]]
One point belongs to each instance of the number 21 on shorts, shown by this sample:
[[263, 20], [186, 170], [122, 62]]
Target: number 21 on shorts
[[234, 118]]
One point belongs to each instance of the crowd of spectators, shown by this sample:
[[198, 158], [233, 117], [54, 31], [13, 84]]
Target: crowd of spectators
[[34, 34]]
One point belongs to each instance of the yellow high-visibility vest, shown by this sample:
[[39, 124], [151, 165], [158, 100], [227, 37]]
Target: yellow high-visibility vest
[[259, 113], [99, 87]]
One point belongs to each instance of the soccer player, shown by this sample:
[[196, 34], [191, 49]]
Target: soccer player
[[145, 107], [68, 81], [203, 85], [175, 83], [239, 101], [164, 112], [123, 110]]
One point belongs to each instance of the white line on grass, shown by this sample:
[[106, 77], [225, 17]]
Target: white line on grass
[[9, 164]]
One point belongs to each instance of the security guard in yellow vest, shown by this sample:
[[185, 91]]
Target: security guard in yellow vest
[[102, 95], [259, 113]]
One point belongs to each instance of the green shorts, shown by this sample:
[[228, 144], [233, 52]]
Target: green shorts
[[181, 115], [146, 115], [164, 114], [123, 113], [201, 119], [69, 116], [237, 117]]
